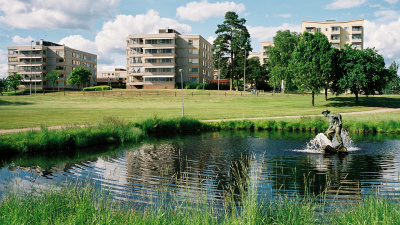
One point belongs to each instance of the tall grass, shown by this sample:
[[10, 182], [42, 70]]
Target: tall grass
[[110, 131], [77, 203]]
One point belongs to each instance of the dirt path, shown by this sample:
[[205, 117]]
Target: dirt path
[[259, 118], [281, 117]]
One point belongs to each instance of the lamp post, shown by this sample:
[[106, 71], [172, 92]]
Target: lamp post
[[109, 80], [30, 79], [219, 72], [35, 74], [244, 78], [181, 70], [58, 84], [273, 83]]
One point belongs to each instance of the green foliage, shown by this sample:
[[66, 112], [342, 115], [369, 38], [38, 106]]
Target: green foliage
[[311, 62], [97, 88], [111, 130], [364, 71], [256, 74], [157, 125], [52, 77], [279, 56], [3, 85], [393, 84], [14, 81], [79, 77], [233, 37]]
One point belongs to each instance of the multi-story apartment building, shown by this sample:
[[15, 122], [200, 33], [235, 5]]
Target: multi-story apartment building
[[113, 77], [155, 60], [339, 33], [262, 56], [35, 61]]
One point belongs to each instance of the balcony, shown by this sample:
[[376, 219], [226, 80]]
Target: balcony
[[356, 38], [335, 30], [310, 30], [356, 30], [335, 39]]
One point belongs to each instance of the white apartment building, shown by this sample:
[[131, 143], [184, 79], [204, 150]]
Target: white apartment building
[[154, 61], [339, 33], [35, 61]]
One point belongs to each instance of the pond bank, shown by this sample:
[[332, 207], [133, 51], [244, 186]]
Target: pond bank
[[112, 131]]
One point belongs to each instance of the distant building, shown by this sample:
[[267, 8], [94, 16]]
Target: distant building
[[115, 77], [35, 61], [155, 60], [262, 56], [339, 33]]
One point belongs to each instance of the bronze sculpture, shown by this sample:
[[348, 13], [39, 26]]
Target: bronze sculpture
[[335, 127]]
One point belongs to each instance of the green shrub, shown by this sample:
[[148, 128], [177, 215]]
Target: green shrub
[[97, 88]]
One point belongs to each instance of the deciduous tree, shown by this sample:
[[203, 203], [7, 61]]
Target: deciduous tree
[[79, 77], [311, 62], [279, 56], [14, 81], [364, 71], [53, 77]]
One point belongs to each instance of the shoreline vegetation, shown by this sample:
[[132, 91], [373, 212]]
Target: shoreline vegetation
[[115, 131], [83, 203]]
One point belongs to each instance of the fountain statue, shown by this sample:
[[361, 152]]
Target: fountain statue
[[335, 127]]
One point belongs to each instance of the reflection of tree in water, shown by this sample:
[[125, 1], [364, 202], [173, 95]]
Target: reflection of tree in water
[[197, 162]]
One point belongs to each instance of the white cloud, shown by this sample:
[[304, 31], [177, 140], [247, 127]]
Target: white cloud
[[79, 42], [22, 41], [211, 39], [110, 42], [200, 11], [391, 1], [345, 4], [3, 63], [387, 15], [45, 15], [285, 15], [384, 37], [112, 38], [267, 33]]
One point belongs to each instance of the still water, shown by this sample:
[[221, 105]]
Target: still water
[[276, 162]]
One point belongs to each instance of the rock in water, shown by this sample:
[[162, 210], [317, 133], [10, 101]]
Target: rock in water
[[329, 149]]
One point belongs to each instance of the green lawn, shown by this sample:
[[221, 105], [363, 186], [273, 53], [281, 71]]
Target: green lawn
[[74, 108]]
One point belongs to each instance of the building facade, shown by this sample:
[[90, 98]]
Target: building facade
[[262, 56], [35, 61], [113, 77], [339, 33], [154, 61]]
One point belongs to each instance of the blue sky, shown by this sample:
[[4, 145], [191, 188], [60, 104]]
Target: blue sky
[[101, 26]]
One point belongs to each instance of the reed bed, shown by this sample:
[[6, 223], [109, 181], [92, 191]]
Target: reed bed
[[84, 203], [113, 131]]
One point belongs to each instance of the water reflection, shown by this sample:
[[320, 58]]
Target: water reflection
[[216, 163]]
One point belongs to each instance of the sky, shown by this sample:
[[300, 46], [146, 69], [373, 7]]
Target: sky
[[101, 26]]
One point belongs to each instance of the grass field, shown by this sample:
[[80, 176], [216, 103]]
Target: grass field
[[132, 106]]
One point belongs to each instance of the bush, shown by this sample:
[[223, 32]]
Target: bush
[[97, 88]]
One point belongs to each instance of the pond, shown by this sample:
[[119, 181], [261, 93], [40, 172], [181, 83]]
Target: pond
[[213, 163]]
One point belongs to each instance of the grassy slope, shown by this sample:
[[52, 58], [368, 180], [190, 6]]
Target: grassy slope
[[53, 109]]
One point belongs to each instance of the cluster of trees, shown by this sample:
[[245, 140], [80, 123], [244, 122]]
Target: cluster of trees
[[78, 77], [309, 62], [306, 62]]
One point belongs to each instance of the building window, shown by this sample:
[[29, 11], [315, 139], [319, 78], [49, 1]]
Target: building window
[[166, 60], [151, 60], [194, 70], [346, 28], [60, 53], [346, 37], [194, 61], [318, 29], [166, 51], [194, 79], [60, 60], [194, 51]]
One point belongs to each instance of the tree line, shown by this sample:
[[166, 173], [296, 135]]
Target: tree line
[[78, 77], [305, 62]]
